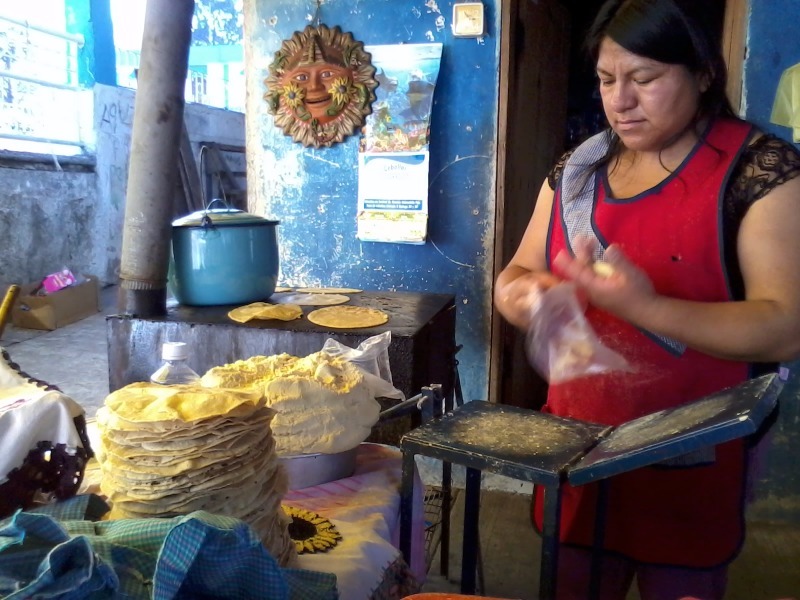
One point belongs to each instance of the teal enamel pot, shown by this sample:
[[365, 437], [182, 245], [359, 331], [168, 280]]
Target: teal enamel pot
[[224, 256]]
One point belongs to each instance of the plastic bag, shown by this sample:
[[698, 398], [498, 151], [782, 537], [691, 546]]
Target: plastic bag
[[372, 357], [561, 344]]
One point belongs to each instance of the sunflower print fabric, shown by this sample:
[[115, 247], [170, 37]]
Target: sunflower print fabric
[[310, 531]]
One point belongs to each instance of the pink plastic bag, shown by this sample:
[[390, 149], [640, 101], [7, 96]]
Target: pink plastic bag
[[58, 281], [561, 344]]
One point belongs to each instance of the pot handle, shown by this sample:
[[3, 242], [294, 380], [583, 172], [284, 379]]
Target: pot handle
[[224, 203]]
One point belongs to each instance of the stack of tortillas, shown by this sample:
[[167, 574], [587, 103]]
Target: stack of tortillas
[[171, 450], [323, 403]]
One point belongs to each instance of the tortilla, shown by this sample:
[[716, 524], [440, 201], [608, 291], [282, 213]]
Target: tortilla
[[305, 299], [348, 317], [328, 290], [172, 450], [262, 310], [282, 288]]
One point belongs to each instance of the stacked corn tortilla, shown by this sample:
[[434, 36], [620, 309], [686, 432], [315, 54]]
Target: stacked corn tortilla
[[323, 403], [171, 450]]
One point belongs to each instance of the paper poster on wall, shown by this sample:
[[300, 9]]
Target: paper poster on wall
[[393, 153]]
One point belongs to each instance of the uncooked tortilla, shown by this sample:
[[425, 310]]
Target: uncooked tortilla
[[328, 290], [304, 299], [262, 310], [603, 269], [348, 317]]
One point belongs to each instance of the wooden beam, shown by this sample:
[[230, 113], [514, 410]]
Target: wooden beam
[[507, 9], [734, 47]]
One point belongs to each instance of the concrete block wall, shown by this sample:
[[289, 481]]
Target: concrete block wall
[[57, 212]]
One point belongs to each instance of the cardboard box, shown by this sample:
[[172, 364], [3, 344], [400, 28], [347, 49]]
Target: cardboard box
[[55, 310]]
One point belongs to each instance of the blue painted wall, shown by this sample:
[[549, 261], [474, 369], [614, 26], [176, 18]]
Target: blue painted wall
[[97, 57], [773, 45], [314, 192]]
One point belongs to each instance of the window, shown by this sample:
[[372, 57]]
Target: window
[[216, 63], [41, 101]]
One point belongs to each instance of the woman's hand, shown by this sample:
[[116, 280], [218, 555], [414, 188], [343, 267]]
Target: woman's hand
[[616, 285], [515, 296]]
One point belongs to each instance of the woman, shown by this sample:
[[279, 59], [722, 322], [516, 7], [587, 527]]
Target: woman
[[696, 212]]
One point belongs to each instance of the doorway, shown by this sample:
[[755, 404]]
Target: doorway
[[548, 103]]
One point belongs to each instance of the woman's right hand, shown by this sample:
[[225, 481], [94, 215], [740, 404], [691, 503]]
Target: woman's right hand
[[515, 296], [621, 288]]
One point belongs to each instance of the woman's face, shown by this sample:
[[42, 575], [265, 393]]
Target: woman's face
[[649, 104]]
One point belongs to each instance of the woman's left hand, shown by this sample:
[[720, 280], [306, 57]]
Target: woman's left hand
[[616, 285]]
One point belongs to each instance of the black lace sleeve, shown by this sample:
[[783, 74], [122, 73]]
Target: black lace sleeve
[[554, 175], [766, 164]]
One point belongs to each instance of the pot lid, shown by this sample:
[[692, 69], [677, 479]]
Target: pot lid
[[221, 217]]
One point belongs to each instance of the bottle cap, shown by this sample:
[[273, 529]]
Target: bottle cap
[[174, 351]]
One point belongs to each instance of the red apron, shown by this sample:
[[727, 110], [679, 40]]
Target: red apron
[[689, 516]]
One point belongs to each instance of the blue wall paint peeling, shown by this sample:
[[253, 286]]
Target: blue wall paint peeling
[[314, 192], [772, 47]]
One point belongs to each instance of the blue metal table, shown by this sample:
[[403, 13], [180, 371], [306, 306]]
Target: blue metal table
[[547, 450]]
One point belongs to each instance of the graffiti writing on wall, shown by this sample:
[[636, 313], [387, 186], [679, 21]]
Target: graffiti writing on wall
[[115, 114]]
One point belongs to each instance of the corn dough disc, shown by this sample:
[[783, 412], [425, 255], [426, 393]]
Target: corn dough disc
[[242, 314], [282, 288], [142, 404], [328, 290], [348, 317], [262, 310], [603, 269], [305, 299]]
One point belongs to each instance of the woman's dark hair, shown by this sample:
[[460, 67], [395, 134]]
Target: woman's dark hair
[[669, 31]]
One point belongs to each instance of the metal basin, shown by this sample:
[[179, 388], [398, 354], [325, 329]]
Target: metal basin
[[306, 470]]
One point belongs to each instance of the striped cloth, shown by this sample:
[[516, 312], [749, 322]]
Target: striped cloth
[[61, 552]]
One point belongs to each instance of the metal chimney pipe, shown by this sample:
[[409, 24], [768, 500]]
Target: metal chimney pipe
[[152, 170]]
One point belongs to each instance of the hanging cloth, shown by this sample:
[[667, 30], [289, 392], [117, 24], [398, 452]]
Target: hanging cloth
[[786, 108]]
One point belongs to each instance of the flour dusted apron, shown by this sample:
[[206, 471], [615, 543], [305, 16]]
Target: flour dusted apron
[[666, 514]]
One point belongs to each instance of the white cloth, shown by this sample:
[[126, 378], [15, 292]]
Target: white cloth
[[30, 414], [365, 508]]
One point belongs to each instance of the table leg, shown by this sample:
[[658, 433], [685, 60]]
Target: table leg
[[599, 535], [447, 501], [469, 554], [406, 505], [550, 528]]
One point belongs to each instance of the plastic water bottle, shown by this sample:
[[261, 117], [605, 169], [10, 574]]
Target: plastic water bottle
[[174, 370]]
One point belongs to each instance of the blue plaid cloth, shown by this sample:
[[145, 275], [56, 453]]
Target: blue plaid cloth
[[60, 552]]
